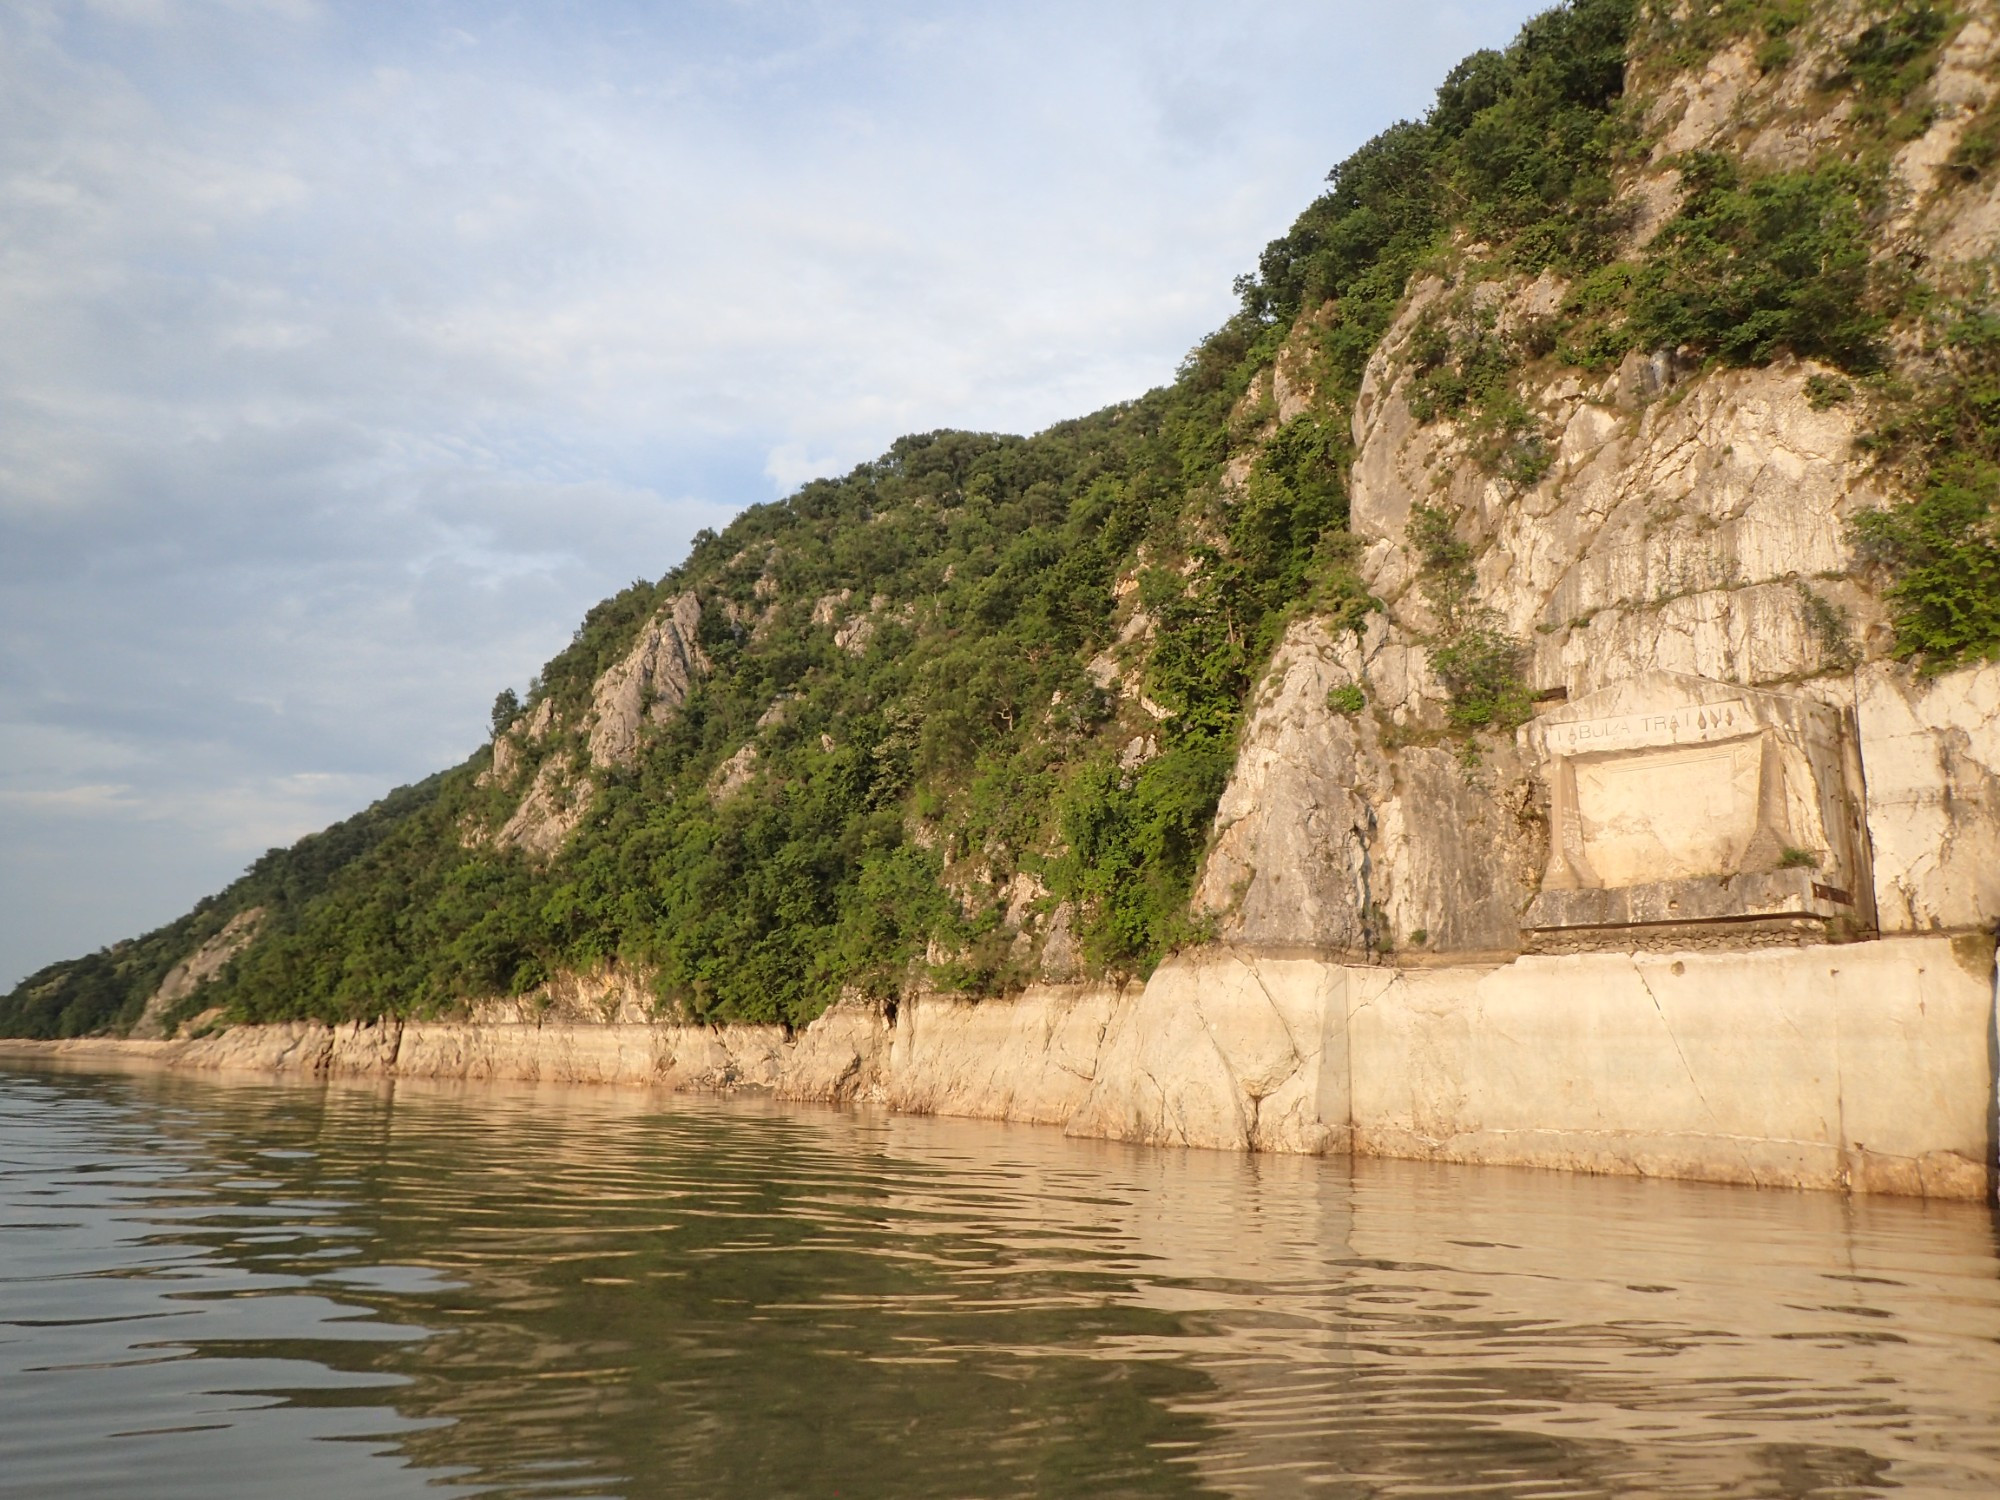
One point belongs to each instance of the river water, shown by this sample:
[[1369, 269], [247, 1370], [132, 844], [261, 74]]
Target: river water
[[293, 1290]]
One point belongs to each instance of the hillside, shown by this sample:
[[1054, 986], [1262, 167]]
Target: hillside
[[1665, 339]]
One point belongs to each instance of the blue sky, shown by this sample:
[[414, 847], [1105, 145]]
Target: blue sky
[[349, 352]]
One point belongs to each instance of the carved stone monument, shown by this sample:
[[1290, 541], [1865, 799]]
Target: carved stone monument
[[1693, 812]]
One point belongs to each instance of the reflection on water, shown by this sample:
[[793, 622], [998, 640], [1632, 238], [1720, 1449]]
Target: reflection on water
[[234, 1289]]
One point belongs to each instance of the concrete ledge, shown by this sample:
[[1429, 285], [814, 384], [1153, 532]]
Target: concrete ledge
[[1867, 1067], [1702, 898]]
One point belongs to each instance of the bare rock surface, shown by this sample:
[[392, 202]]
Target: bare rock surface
[[647, 686], [652, 682], [1690, 522], [1223, 1049], [1031, 1058], [555, 802], [1932, 752], [733, 774], [1329, 837], [196, 970], [1860, 1067], [841, 1057]]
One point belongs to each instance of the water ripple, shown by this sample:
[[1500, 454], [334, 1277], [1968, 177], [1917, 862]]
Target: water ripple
[[218, 1288]]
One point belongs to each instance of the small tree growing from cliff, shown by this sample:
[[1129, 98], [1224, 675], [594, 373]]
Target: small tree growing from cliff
[[1941, 549], [506, 709], [1478, 662]]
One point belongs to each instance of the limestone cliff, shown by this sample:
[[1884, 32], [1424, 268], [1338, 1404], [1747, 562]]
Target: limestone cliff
[[649, 685], [1678, 514], [645, 687], [1861, 1067]]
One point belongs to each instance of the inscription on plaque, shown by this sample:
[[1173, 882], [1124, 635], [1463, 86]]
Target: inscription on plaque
[[1691, 724]]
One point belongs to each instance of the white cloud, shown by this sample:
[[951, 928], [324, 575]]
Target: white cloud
[[85, 799], [790, 465]]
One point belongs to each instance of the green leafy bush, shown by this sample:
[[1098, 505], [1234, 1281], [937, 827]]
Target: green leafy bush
[[1944, 551], [1478, 663], [1480, 666], [1941, 549], [1758, 265]]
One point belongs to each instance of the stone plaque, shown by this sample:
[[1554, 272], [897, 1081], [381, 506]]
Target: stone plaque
[[1668, 794], [1664, 814]]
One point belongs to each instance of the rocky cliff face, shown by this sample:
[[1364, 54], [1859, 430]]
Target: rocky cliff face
[[650, 685], [1513, 541], [196, 970], [1663, 513], [647, 686], [1678, 515], [1860, 1068]]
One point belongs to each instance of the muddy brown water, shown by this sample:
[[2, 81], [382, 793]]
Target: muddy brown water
[[230, 1288]]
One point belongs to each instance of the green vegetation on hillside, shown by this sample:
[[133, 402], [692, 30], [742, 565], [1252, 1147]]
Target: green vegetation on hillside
[[1517, 151], [108, 988], [1046, 645], [900, 793], [1755, 265], [1942, 547]]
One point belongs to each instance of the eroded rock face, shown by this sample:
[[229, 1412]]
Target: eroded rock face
[[841, 1057], [196, 970], [514, 746], [680, 1057], [1959, 89], [1223, 1049], [1931, 749], [1033, 1058], [1672, 529], [652, 682], [549, 1050], [553, 805], [733, 774], [648, 685], [1860, 1067], [1328, 837], [1688, 522], [613, 995]]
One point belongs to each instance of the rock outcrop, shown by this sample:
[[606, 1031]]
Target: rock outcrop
[[1689, 522], [650, 684], [196, 970], [555, 802], [1932, 752], [1223, 1049], [1035, 1058], [1333, 835]]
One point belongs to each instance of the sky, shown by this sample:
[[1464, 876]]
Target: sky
[[349, 352]]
